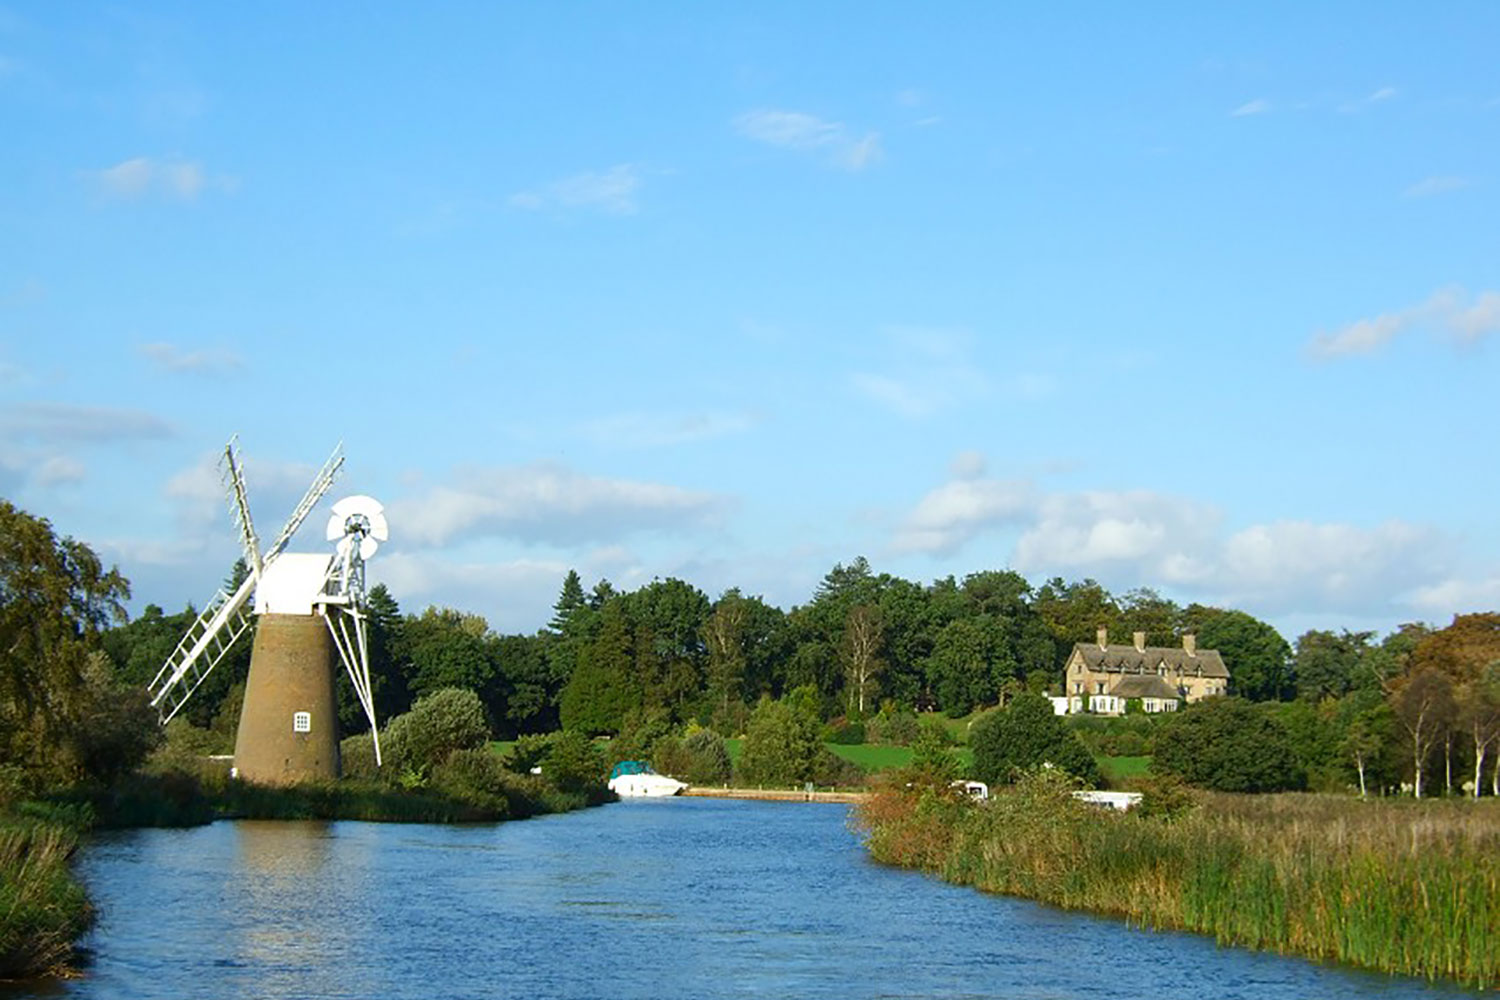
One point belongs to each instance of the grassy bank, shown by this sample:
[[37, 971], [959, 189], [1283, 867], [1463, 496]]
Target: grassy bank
[[42, 908], [1397, 886]]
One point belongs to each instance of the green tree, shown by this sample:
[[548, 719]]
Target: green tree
[[968, 663], [1225, 744], [1144, 610], [932, 760], [1074, 612], [1258, 658], [530, 686], [1025, 735], [724, 635], [1368, 740], [860, 652], [667, 618], [781, 744], [1327, 664], [1480, 719], [447, 648], [571, 602], [56, 598], [1426, 709], [603, 688], [909, 625]]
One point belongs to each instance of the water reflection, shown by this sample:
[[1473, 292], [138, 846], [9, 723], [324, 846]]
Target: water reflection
[[679, 899]]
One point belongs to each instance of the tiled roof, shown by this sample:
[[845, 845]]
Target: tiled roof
[[1129, 660], [1144, 686]]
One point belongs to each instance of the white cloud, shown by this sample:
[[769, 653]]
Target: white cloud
[[1429, 187], [957, 511], [968, 465], [174, 179], [1455, 595], [58, 470], [172, 358], [1469, 323], [512, 594], [274, 488], [659, 430], [613, 191], [896, 394], [808, 133], [550, 503], [56, 422], [1292, 565], [1259, 106], [1375, 97], [924, 371], [1447, 311], [1125, 538], [1161, 536]]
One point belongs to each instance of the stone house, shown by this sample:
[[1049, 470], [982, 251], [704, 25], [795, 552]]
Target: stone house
[[1101, 678]]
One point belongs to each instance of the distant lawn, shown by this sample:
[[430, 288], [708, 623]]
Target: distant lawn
[[501, 747], [1116, 768], [873, 758], [958, 729]]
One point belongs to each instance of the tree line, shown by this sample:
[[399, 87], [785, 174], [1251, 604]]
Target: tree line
[[1419, 705]]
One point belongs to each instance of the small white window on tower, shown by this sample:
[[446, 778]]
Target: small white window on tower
[[301, 722]]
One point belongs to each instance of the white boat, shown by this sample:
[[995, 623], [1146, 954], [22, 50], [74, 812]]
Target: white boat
[[632, 779]]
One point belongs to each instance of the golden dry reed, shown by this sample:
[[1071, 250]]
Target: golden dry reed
[[1397, 886]]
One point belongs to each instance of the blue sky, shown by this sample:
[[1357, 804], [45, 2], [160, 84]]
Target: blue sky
[[1197, 299]]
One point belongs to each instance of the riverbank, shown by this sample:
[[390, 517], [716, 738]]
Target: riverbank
[[1403, 887], [775, 795]]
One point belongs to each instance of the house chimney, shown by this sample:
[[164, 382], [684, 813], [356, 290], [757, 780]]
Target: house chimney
[[1103, 637], [1140, 642], [1190, 643]]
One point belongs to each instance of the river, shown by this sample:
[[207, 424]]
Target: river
[[680, 898]]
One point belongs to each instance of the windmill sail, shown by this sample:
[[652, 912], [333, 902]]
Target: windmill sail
[[224, 620], [207, 641]]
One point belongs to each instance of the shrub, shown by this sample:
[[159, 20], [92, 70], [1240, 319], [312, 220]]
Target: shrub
[[447, 720], [892, 728], [529, 750], [669, 756], [476, 776], [573, 763], [708, 756], [1224, 744], [357, 754], [1027, 735], [932, 762], [845, 733], [1163, 796], [832, 770], [781, 744]]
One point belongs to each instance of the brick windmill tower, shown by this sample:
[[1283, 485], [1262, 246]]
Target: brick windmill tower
[[310, 606]]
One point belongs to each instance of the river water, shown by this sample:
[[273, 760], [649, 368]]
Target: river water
[[679, 898]]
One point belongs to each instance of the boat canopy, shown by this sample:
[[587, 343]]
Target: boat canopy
[[630, 767]]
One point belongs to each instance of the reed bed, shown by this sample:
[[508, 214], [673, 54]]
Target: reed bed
[[1398, 886], [42, 908]]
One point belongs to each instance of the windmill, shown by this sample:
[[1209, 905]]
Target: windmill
[[309, 606]]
